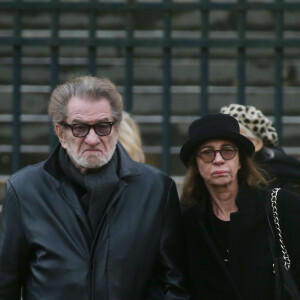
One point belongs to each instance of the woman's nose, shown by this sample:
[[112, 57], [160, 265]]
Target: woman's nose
[[218, 157]]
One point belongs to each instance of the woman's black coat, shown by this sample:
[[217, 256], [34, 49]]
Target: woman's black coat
[[249, 274]]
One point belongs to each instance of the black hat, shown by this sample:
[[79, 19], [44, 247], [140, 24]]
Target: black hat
[[214, 126]]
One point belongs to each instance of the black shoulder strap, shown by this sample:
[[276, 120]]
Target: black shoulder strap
[[271, 235]]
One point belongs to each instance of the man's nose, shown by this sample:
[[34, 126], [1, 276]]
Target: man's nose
[[92, 138]]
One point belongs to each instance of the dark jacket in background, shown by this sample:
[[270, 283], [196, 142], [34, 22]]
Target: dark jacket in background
[[283, 168], [249, 273], [47, 247]]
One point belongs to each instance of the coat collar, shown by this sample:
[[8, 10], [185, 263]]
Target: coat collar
[[127, 168]]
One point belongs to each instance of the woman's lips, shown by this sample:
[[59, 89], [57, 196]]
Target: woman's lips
[[219, 173]]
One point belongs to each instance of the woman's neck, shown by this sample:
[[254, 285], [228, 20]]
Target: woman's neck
[[223, 201]]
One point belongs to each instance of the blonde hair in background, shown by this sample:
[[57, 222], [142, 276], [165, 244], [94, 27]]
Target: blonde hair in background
[[130, 138]]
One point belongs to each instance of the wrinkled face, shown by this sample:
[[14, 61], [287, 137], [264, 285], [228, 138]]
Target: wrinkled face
[[219, 172], [92, 151]]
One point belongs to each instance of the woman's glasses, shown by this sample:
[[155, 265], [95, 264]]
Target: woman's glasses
[[82, 130], [209, 155]]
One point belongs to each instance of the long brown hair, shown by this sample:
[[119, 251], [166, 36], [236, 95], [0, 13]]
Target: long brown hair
[[193, 185]]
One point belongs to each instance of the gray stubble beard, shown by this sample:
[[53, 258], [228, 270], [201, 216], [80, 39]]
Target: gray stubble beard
[[100, 162]]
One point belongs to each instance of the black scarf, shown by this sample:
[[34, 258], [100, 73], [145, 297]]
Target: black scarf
[[93, 189]]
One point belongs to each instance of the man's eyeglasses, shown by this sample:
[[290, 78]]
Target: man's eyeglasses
[[82, 130], [209, 155]]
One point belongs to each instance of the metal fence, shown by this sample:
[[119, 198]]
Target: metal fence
[[167, 43]]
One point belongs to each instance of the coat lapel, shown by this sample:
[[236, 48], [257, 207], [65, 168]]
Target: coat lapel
[[217, 256], [127, 168], [197, 217], [67, 192], [247, 235]]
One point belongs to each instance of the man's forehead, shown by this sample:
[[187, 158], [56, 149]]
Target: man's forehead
[[89, 100], [79, 108]]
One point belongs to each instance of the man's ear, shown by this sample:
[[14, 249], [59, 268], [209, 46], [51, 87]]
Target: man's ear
[[60, 134]]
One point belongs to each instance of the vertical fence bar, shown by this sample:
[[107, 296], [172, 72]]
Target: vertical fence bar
[[278, 94], [16, 108], [204, 54], [129, 56], [54, 63], [166, 131], [92, 50], [241, 59]]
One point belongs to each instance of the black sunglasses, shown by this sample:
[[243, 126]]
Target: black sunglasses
[[82, 130], [209, 155]]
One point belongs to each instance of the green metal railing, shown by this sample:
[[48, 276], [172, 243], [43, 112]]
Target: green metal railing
[[166, 43]]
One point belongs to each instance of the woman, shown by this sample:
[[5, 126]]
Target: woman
[[283, 169], [225, 216]]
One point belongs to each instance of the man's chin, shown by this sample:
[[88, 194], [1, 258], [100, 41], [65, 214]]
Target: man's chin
[[90, 161], [92, 164]]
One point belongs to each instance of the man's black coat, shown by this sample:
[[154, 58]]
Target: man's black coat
[[47, 249]]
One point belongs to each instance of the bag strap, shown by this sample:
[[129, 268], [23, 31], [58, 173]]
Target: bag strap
[[274, 211], [271, 235]]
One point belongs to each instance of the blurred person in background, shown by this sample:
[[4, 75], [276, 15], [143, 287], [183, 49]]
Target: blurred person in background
[[224, 210], [130, 138], [89, 222], [283, 169]]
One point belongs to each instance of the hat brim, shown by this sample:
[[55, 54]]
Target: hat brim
[[241, 142]]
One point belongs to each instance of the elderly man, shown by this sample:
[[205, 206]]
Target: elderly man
[[90, 223]]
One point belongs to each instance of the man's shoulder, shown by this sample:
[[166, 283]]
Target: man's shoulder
[[27, 173], [129, 167], [146, 169], [151, 175]]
